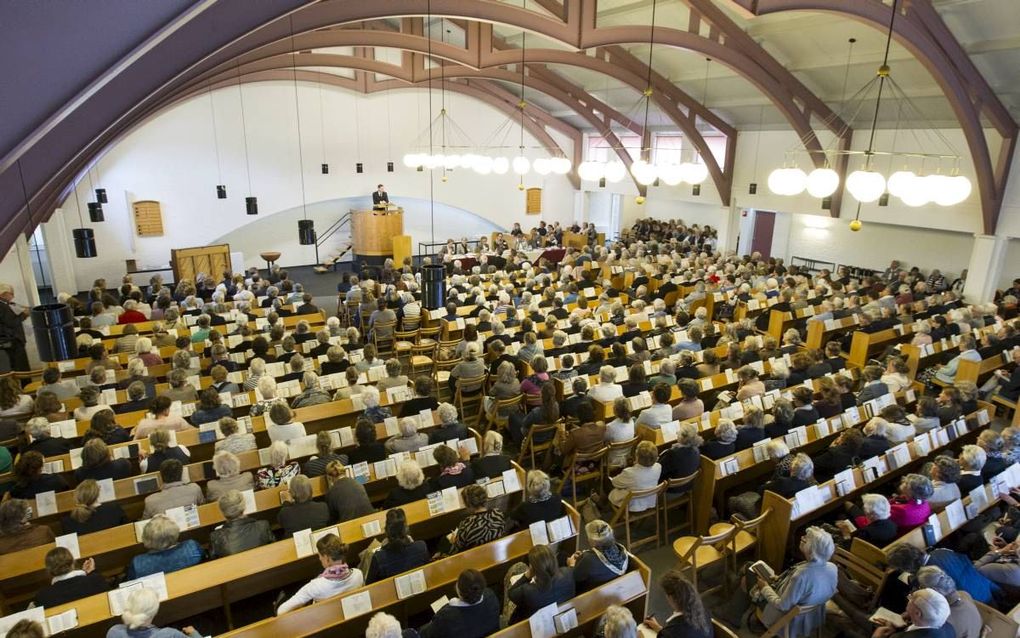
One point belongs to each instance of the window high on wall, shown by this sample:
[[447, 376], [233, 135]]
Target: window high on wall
[[600, 150], [667, 147]]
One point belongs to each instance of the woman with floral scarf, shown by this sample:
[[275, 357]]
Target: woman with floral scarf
[[452, 471], [335, 578], [606, 559]]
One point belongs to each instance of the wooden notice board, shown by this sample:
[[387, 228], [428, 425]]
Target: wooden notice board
[[148, 218], [211, 260], [533, 202]]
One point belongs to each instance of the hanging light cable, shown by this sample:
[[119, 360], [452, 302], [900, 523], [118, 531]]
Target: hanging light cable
[[322, 125], [521, 165], [95, 208], [251, 203], [642, 169], [432, 184], [221, 188], [306, 227]]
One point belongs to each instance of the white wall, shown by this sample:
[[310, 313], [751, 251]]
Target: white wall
[[172, 159]]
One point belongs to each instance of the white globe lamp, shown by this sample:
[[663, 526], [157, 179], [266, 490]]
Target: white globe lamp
[[643, 172], [542, 166], [670, 174], [822, 182], [899, 182], [615, 172], [521, 165], [560, 165], [500, 165], [697, 173], [865, 186], [483, 165]]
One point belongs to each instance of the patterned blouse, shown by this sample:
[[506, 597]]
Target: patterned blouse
[[268, 477], [478, 529]]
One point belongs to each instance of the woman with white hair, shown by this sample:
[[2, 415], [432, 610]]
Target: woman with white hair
[[540, 502], [972, 461], [492, 463], [724, 442], [964, 615], [409, 439], [143, 349], [239, 532], [410, 487], [618, 622], [228, 476], [909, 508], [879, 530], [165, 552], [471, 367], [140, 609], [808, 583], [384, 625], [606, 390], [265, 394], [279, 471], [682, 458], [449, 427]]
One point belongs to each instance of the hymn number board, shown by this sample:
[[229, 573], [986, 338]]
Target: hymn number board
[[148, 219]]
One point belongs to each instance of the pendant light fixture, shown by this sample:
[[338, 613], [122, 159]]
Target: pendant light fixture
[[752, 188], [95, 208], [251, 203], [521, 164], [306, 227], [99, 191], [84, 238], [431, 155], [221, 188]]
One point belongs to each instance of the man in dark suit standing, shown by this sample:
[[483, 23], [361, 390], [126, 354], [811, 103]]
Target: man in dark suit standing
[[379, 197], [12, 333]]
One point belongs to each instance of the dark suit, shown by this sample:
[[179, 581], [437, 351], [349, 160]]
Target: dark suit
[[872, 391], [379, 198]]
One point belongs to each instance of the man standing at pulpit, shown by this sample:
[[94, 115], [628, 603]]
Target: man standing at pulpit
[[380, 198]]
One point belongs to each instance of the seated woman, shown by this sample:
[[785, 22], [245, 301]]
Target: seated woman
[[228, 477], [140, 609], [238, 533], [724, 442], [234, 440], [926, 415], [29, 479], [811, 582], [49, 407], [452, 471], [369, 449], [374, 411], [539, 503], [266, 396], [545, 414], [399, 553], [690, 618], [895, 375], [944, 473], [533, 383], [210, 408], [17, 531], [474, 613], [336, 576], [38, 428], [751, 429], [165, 552], [801, 476], [840, 455], [682, 458], [97, 463], [409, 439], [644, 474], [492, 463], [909, 508], [481, 525], [279, 471], [346, 497], [605, 560], [160, 450], [690, 405], [159, 417], [410, 487], [89, 515], [281, 425], [879, 530], [69, 582], [542, 584], [900, 428], [316, 466], [449, 427], [470, 368], [424, 399], [298, 511]]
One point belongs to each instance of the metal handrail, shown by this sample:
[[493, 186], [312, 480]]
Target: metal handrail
[[332, 230]]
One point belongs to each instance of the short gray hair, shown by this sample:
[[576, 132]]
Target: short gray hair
[[278, 453], [802, 467], [226, 464], [917, 487], [875, 506], [618, 622], [231, 504], [933, 606], [687, 436], [818, 544], [973, 457], [537, 483], [607, 374], [310, 380], [383, 625], [409, 475], [408, 426], [38, 427], [447, 413], [726, 431], [370, 395], [932, 577], [300, 488], [141, 607], [160, 533]]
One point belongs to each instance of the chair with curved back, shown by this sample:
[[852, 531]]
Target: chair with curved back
[[626, 517], [782, 626], [441, 375], [432, 333], [410, 324], [720, 630], [422, 358], [402, 342], [674, 500], [498, 416], [465, 400], [696, 553], [746, 536], [597, 471], [530, 448], [623, 450], [383, 336]]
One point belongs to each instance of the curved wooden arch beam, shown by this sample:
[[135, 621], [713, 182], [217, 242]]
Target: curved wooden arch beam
[[920, 29]]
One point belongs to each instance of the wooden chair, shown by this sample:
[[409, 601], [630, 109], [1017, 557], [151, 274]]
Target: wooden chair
[[441, 375], [746, 535], [621, 450], [474, 400], [782, 626], [499, 413], [672, 501], [529, 448], [402, 342], [384, 342], [425, 334], [720, 630], [410, 324], [695, 553], [422, 358], [627, 517], [999, 624], [598, 473], [872, 576]]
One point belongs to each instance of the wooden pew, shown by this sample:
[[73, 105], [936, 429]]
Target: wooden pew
[[818, 332]]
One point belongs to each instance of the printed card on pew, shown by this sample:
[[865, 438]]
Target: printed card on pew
[[729, 466], [425, 418], [1013, 475], [385, 468], [979, 498], [511, 482], [469, 445], [410, 584], [982, 417], [69, 542], [53, 467], [898, 456], [559, 529], [934, 528], [392, 426], [62, 622], [303, 543], [1000, 485], [539, 533], [565, 621], [821, 429], [371, 528], [845, 482], [670, 430], [64, 429], [356, 604], [118, 597], [922, 444], [956, 515], [250, 506], [806, 500], [435, 503], [759, 451], [493, 489], [37, 614], [45, 503], [873, 468]]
